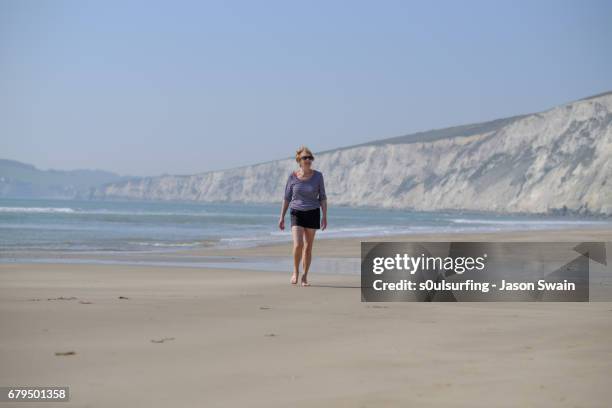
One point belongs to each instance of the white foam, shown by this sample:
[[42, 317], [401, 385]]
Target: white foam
[[37, 209], [166, 244], [523, 222], [200, 213]]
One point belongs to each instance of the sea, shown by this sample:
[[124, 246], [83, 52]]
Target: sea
[[146, 226]]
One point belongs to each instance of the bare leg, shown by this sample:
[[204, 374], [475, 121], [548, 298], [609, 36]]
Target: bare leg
[[298, 245], [309, 236]]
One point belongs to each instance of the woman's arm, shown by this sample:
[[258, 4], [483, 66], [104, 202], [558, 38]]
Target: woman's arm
[[285, 205], [324, 210], [323, 202], [284, 208], [281, 220]]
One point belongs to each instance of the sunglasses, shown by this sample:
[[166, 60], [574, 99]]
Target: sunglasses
[[307, 158]]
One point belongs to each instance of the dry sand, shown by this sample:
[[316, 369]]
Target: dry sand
[[191, 337]]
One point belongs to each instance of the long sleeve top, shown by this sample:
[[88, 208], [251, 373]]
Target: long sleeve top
[[305, 194]]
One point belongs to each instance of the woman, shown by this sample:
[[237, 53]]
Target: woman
[[304, 194]]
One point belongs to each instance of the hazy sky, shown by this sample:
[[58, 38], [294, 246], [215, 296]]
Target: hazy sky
[[146, 88]]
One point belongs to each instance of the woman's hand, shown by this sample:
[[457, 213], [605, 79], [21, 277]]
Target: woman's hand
[[323, 223], [281, 224]]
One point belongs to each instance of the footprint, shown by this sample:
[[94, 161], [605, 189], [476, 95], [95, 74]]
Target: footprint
[[162, 340], [65, 353]]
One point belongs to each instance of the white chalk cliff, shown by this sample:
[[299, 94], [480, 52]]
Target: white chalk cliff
[[555, 161]]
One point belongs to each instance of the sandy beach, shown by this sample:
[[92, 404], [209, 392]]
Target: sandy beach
[[171, 336]]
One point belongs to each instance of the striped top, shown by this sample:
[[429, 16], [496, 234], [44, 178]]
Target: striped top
[[305, 195]]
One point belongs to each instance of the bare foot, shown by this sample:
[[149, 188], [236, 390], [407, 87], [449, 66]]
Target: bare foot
[[294, 278], [305, 281]]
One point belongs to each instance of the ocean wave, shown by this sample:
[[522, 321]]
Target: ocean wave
[[167, 244], [37, 210], [81, 211], [523, 222], [343, 232]]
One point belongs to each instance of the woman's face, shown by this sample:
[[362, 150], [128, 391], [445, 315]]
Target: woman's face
[[306, 160]]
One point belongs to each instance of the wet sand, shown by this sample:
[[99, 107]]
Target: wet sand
[[350, 247]]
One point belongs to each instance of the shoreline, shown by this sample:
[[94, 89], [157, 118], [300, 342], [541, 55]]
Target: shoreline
[[332, 255], [594, 233], [583, 233]]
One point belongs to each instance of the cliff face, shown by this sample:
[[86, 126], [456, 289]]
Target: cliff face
[[553, 161]]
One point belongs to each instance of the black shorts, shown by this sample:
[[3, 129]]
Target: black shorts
[[306, 219]]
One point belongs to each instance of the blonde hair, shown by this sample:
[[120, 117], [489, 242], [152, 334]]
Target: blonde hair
[[301, 150]]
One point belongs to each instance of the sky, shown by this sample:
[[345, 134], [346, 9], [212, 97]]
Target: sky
[[177, 87]]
